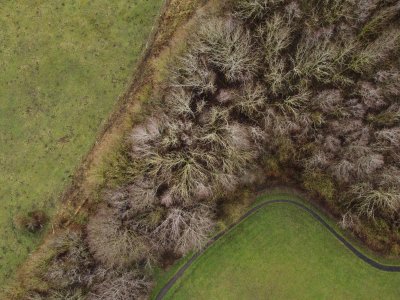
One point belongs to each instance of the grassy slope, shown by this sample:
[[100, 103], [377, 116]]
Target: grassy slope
[[281, 252], [63, 65]]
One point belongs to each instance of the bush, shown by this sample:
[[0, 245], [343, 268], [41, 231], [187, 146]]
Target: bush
[[114, 243], [317, 57], [185, 229], [33, 221], [366, 60], [250, 101], [319, 183], [276, 35], [128, 285], [253, 9], [366, 200], [228, 46], [71, 263], [193, 73]]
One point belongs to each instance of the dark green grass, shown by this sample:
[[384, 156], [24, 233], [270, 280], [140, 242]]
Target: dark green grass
[[281, 252], [63, 65]]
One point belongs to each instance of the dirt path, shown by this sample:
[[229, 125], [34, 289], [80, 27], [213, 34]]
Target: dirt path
[[314, 214]]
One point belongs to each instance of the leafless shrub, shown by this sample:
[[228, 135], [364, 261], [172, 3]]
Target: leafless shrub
[[225, 96], [343, 171], [185, 229], [332, 144], [315, 58], [71, 262], [390, 81], [64, 294], [275, 36], [380, 20], [324, 12], [138, 195], [347, 221], [389, 178], [128, 285], [371, 96], [143, 136], [293, 104], [344, 127], [359, 139], [229, 47], [355, 109], [250, 100], [389, 137], [276, 76], [192, 72], [179, 101], [367, 165], [363, 9], [366, 60], [329, 101], [113, 242], [318, 161], [253, 9], [367, 200]]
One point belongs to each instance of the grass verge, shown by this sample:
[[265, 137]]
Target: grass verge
[[281, 252]]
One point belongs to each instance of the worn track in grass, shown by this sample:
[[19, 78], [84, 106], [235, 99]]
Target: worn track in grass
[[314, 214]]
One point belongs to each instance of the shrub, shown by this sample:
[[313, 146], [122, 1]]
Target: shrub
[[276, 76], [343, 171], [390, 82], [328, 101], [326, 12], [185, 229], [387, 118], [367, 201], [319, 183], [371, 96], [128, 285], [66, 294], [139, 195], [114, 243], [379, 21], [253, 9], [292, 105], [366, 60], [250, 101], [33, 221], [275, 36], [192, 72], [389, 137], [229, 47], [316, 57], [71, 263]]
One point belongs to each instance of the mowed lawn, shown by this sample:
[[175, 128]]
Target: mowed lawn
[[63, 65], [281, 252]]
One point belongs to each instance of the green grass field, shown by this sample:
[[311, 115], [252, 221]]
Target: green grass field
[[281, 252], [63, 66]]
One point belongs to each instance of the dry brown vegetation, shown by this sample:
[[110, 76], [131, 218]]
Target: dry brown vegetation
[[307, 90]]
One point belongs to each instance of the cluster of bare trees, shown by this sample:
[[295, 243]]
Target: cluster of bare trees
[[331, 77], [312, 85]]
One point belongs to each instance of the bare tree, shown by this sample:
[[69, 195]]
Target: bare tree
[[368, 201], [129, 285], [114, 243], [185, 229], [229, 47]]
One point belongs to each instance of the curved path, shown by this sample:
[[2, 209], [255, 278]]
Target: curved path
[[366, 259]]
